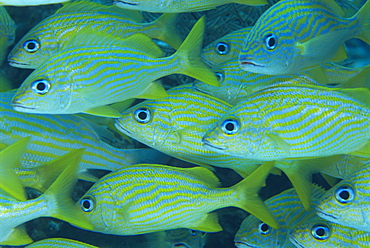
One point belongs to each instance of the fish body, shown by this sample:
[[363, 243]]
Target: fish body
[[85, 78], [51, 35], [297, 34], [147, 198], [289, 212], [59, 242], [55, 135], [178, 6], [347, 202], [288, 122], [176, 124], [55, 202], [317, 232], [29, 2]]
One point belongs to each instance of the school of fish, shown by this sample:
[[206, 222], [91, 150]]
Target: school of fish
[[111, 148]]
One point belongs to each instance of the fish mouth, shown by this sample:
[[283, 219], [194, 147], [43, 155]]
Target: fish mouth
[[319, 212], [17, 64], [125, 2], [248, 61], [121, 128], [295, 242], [243, 244], [17, 106], [180, 245], [208, 144]]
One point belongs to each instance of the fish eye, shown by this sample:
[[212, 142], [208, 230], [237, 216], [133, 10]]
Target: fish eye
[[220, 76], [31, 46], [264, 229], [40, 86], [271, 41], [230, 126], [87, 204], [344, 194], [193, 233], [142, 115], [320, 232], [222, 48]]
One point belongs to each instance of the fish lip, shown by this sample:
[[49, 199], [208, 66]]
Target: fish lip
[[17, 105], [325, 214], [121, 128], [248, 61], [124, 2], [243, 243], [12, 63], [180, 245], [206, 144]]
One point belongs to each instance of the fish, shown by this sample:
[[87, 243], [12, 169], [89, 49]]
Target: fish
[[55, 135], [225, 48], [179, 6], [59, 242], [176, 124], [150, 197], [51, 35], [347, 202], [186, 238], [129, 72], [295, 122], [289, 212], [317, 232], [288, 37], [236, 84], [55, 202], [7, 33], [29, 2]]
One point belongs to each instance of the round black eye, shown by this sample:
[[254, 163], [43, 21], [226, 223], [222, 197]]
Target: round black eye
[[40, 86], [344, 194], [220, 76], [320, 232], [264, 229], [31, 46], [142, 115], [87, 204], [271, 41], [193, 233], [230, 126], [222, 48]]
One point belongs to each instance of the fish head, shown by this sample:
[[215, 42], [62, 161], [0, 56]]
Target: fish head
[[345, 204], [142, 5], [183, 237], [44, 93], [267, 50], [36, 47], [238, 133], [255, 233], [147, 122]]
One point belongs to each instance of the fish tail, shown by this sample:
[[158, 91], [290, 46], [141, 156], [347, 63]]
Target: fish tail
[[9, 158], [58, 195], [251, 2], [364, 16], [191, 63], [248, 198], [168, 33]]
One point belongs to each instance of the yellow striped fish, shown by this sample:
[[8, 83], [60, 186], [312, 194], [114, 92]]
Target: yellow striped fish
[[297, 34], [289, 212], [55, 202], [147, 198], [236, 84], [51, 35], [178, 6], [29, 2], [347, 203], [55, 135], [113, 71], [316, 232], [225, 48], [7, 33], [176, 124], [288, 122], [59, 242]]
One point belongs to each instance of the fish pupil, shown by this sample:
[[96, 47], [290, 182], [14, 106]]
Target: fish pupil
[[229, 127], [344, 195], [142, 115], [222, 48], [41, 86], [271, 41], [31, 46]]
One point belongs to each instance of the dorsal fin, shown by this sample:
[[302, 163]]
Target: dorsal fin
[[88, 6]]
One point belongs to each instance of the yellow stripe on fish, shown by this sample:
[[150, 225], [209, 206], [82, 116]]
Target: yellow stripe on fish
[[51, 35], [112, 71], [59, 242], [29, 2], [55, 202], [176, 124], [297, 34], [55, 135], [288, 122], [147, 198], [178, 6]]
